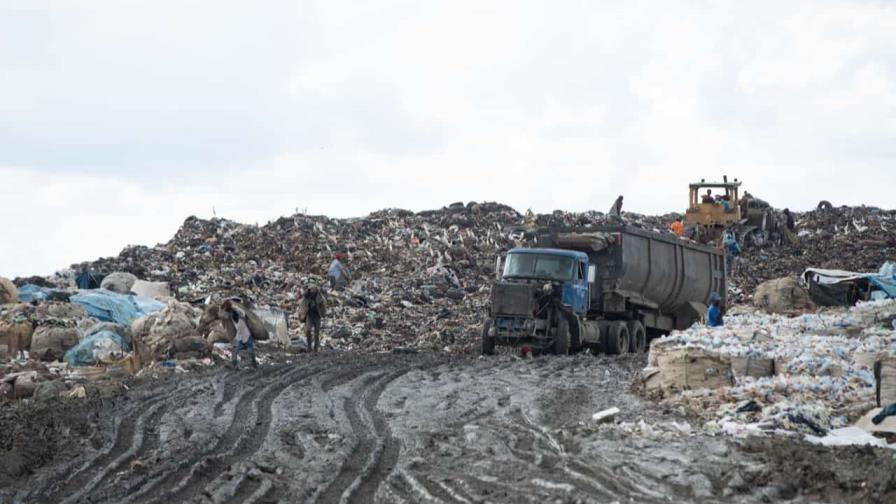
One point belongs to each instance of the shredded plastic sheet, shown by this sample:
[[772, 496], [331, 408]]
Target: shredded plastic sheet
[[109, 306]]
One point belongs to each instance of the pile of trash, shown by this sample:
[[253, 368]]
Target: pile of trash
[[760, 372], [420, 280], [832, 238]]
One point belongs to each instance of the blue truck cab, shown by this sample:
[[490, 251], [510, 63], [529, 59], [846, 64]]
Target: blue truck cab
[[568, 269], [539, 299]]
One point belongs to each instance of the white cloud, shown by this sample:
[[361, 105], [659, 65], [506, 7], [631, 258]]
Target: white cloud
[[120, 119]]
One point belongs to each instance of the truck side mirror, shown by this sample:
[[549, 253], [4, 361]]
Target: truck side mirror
[[592, 273], [498, 268]]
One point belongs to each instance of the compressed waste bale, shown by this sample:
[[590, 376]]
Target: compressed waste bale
[[886, 381], [103, 346], [866, 360], [50, 389], [782, 295], [119, 282], [61, 310], [119, 329], [50, 343], [688, 368], [756, 368], [8, 291], [161, 331], [155, 290], [16, 336]]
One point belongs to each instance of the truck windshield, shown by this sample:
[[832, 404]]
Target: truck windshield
[[542, 266]]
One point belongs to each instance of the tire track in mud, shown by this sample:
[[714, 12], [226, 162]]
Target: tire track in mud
[[127, 434], [240, 443], [170, 477], [375, 454]]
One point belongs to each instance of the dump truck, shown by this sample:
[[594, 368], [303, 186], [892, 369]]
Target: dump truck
[[607, 288]]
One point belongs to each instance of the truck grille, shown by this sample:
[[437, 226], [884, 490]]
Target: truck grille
[[509, 299]]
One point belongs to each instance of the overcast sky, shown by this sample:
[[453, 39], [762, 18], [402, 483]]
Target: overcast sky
[[118, 119]]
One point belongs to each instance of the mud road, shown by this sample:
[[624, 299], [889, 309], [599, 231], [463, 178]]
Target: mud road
[[407, 428]]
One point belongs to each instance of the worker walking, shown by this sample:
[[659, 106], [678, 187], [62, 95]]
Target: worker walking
[[338, 275], [242, 339], [312, 309]]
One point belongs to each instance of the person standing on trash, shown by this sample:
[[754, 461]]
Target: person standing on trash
[[616, 209], [732, 250], [338, 275], [313, 308], [714, 314], [678, 227], [243, 339]]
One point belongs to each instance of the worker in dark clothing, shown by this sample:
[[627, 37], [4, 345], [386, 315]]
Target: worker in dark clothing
[[789, 219], [707, 198], [313, 308], [616, 209], [714, 315]]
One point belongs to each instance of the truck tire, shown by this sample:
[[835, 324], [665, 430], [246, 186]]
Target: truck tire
[[637, 337], [488, 343], [561, 340], [617, 339]]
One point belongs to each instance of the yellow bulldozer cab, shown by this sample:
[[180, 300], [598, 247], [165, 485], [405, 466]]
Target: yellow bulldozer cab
[[720, 209]]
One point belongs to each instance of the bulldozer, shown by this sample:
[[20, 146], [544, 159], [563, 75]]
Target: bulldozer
[[752, 220]]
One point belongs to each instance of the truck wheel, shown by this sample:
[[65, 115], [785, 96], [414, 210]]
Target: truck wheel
[[617, 340], [637, 337], [488, 343], [561, 340]]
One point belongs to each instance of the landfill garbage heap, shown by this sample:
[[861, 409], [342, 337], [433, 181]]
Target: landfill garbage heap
[[837, 238], [422, 279]]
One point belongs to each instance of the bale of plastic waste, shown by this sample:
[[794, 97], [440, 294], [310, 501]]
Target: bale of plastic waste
[[886, 381], [119, 282], [16, 336], [782, 295], [110, 306], [155, 290], [104, 346], [122, 330], [60, 310], [687, 368], [161, 331], [50, 343], [753, 367], [8, 291]]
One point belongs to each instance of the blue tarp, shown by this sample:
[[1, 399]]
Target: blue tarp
[[110, 306], [31, 292], [95, 346], [885, 280]]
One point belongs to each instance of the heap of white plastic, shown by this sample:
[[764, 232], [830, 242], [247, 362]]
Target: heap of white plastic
[[823, 368]]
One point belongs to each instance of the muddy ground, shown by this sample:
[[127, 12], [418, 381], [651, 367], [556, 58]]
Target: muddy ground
[[404, 428]]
